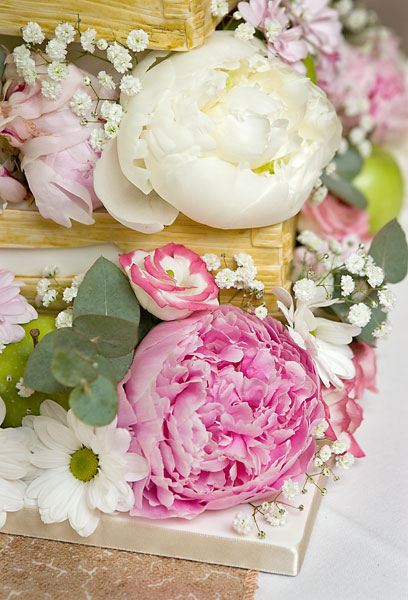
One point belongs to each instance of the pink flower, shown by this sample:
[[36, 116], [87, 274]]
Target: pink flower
[[346, 414], [171, 282], [334, 218], [223, 406], [14, 309], [320, 24], [11, 190]]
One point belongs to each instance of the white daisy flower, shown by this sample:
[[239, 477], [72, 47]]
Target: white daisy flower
[[84, 470]]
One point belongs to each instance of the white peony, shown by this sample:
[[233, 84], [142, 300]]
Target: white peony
[[222, 134]]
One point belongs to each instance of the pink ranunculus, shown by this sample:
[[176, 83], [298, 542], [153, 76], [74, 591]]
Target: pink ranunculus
[[14, 309], [346, 414], [171, 282], [334, 218], [223, 407], [11, 190]]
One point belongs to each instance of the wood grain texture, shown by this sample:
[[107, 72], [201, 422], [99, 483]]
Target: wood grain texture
[[170, 24], [270, 247]]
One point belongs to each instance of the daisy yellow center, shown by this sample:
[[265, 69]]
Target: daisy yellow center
[[84, 464]]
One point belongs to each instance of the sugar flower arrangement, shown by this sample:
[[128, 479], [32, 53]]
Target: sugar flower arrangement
[[146, 394]]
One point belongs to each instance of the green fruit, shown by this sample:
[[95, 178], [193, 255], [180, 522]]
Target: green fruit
[[381, 182], [12, 365]]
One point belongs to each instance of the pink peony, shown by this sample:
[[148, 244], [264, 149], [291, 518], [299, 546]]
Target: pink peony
[[223, 406], [334, 218], [14, 309], [346, 414], [57, 158], [11, 190], [171, 282]]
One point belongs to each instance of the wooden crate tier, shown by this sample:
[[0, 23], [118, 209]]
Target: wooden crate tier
[[270, 247], [170, 24]]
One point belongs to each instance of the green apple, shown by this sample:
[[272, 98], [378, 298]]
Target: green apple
[[12, 365], [381, 182]]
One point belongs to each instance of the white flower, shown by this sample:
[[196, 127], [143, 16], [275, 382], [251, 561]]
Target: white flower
[[56, 49], [320, 429], [49, 297], [42, 287], [111, 129], [375, 275], [343, 146], [87, 80], [23, 391], [98, 139], [106, 80], [69, 294], [242, 524], [64, 318], [2, 346], [77, 280], [65, 32], [244, 260], [387, 299], [317, 462], [225, 279], [111, 111], [325, 453], [326, 471], [84, 470], [230, 125], [81, 103], [367, 122], [355, 263], [57, 71], [331, 168], [359, 314], [309, 239], [88, 40], [290, 489], [21, 54], [273, 30], [244, 32], [119, 57], [50, 89], [257, 287], [212, 261], [357, 135], [382, 330], [137, 40], [318, 195], [130, 85], [261, 312], [245, 277], [344, 6], [29, 72], [305, 290], [347, 285], [340, 446], [276, 515], [365, 148], [335, 246], [357, 19], [345, 461], [237, 15], [101, 44], [32, 33], [219, 8]]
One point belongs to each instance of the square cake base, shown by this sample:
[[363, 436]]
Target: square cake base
[[207, 538]]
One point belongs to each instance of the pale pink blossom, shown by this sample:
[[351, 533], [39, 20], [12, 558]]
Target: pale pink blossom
[[171, 282], [223, 407], [320, 24], [14, 309], [11, 190]]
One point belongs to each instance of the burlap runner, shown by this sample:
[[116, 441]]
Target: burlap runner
[[32, 569]]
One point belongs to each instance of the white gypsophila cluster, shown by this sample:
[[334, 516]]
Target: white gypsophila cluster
[[71, 292], [97, 139], [101, 44], [276, 515], [347, 285], [50, 89], [50, 271], [318, 195], [343, 7], [22, 390], [261, 312], [225, 279], [382, 330], [340, 446], [119, 57], [357, 19], [130, 85], [56, 49], [106, 80], [335, 246], [137, 40], [309, 239], [319, 430], [242, 278], [87, 40], [242, 524], [57, 71], [305, 290], [81, 103], [219, 8], [387, 299], [64, 319], [212, 261], [244, 32], [355, 263], [45, 296], [49, 297], [32, 33], [359, 315], [345, 461], [111, 111], [65, 32], [273, 30], [25, 65], [290, 489], [375, 275], [325, 453]]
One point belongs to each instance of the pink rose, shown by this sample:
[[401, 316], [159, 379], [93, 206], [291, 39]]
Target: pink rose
[[346, 414], [334, 218], [223, 406], [14, 309], [171, 282], [11, 190]]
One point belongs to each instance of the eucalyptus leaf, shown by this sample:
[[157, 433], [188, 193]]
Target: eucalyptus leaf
[[68, 339], [112, 336], [348, 164], [38, 374], [105, 367], [377, 318], [121, 365], [105, 290], [390, 252], [345, 191], [72, 369], [96, 403]]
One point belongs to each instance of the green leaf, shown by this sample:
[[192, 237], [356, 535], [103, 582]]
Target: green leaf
[[106, 367], [105, 290], [72, 369], [112, 337], [348, 164], [377, 318], [147, 322], [2, 59], [121, 365], [95, 404], [344, 190], [67, 339], [38, 374], [310, 68], [389, 251]]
